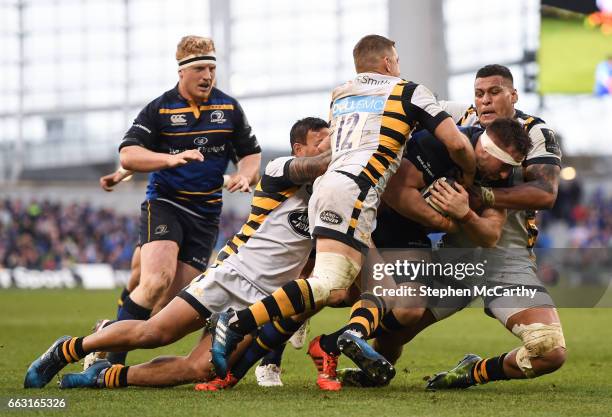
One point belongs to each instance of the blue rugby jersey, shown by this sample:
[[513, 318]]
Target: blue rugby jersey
[[171, 124]]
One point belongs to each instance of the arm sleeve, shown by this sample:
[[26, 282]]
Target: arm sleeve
[[244, 141], [545, 147], [144, 131], [421, 105]]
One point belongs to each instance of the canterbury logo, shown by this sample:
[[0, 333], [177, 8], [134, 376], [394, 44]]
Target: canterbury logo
[[162, 229], [178, 119]]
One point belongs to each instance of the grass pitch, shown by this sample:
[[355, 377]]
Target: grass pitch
[[31, 320], [569, 52]]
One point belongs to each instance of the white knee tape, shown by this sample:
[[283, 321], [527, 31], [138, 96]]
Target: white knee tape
[[538, 339], [331, 271]]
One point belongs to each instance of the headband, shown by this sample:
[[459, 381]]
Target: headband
[[191, 60], [492, 149]]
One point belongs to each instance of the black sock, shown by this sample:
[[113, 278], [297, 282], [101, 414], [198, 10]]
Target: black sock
[[490, 369], [329, 342], [275, 357], [116, 376], [71, 350], [129, 311]]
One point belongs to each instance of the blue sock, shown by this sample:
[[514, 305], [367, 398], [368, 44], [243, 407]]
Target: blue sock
[[124, 294], [275, 357], [129, 311], [270, 336]]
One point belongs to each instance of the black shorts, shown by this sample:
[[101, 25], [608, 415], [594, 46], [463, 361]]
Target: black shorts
[[396, 231], [195, 236]]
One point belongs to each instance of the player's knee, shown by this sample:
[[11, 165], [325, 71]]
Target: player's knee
[[551, 361], [543, 349], [408, 316], [332, 272]]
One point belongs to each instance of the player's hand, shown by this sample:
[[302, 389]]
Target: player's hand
[[107, 182], [238, 182], [454, 200], [475, 194], [185, 157]]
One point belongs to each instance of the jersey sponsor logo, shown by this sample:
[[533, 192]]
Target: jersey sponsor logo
[[178, 119], [161, 230], [217, 117], [331, 217], [200, 141], [298, 220], [361, 104], [366, 79]]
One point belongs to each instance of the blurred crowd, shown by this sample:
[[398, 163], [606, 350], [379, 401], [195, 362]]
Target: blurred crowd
[[49, 235], [577, 220]]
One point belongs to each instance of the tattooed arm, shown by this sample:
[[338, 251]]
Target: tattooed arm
[[539, 191], [306, 169]]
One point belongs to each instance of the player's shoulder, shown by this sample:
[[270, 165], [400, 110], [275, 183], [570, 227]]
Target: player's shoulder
[[530, 122], [277, 166], [220, 97]]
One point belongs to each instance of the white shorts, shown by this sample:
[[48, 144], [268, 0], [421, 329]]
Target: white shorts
[[220, 289], [343, 207]]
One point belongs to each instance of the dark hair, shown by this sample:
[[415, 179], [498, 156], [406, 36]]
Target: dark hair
[[511, 135], [495, 69], [369, 49], [300, 129]]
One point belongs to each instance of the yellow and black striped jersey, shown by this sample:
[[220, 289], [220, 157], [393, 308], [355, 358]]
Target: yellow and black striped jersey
[[273, 245], [371, 117]]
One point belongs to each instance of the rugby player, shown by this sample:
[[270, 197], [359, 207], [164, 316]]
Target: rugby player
[[270, 250], [184, 139], [534, 187], [372, 116], [406, 217]]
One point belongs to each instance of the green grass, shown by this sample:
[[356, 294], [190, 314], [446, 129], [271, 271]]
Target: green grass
[[568, 55], [31, 320]]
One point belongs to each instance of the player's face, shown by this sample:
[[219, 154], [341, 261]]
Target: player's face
[[313, 139], [489, 167], [197, 81], [392, 63], [494, 97]]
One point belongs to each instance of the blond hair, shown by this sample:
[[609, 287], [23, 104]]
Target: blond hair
[[194, 45], [369, 50]]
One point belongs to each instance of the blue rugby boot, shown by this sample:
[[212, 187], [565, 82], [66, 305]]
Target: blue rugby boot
[[375, 366], [224, 341], [43, 369], [92, 377]]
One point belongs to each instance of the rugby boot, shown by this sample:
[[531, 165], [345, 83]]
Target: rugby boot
[[458, 377], [224, 341], [92, 377], [375, 366], [43, 369], [355, 377], [326, 365], [218, 384]]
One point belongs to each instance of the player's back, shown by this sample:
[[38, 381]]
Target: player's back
[[273, 245]]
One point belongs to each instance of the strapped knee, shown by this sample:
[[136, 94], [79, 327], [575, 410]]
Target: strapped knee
[[538, 340], [331, 272]]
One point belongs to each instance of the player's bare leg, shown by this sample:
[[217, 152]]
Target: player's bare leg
[[543, 352]]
